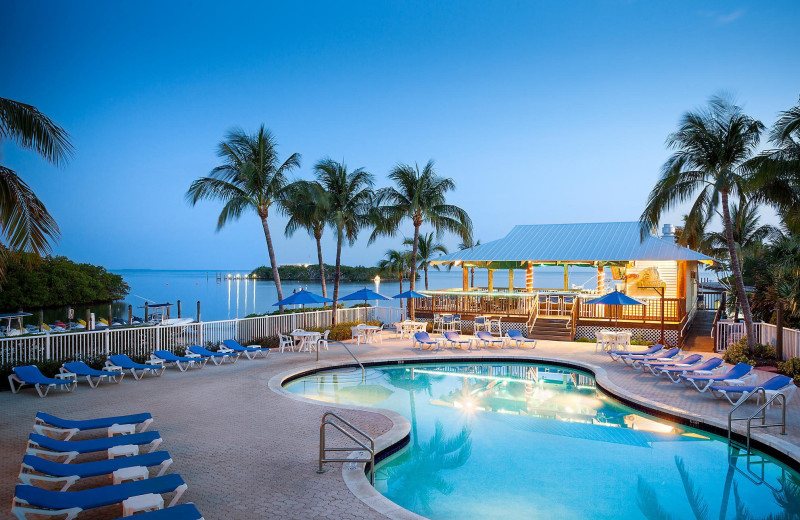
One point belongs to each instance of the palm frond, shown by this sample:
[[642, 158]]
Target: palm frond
[[31, 129], [25, 223]]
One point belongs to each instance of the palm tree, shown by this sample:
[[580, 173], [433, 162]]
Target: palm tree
[[468, 243], [747, 232], [692, 234], [397, 263], [351, 197], [427, 248], [25, 223], [712, 147], [421, 197], [307, 205], [251, 176]]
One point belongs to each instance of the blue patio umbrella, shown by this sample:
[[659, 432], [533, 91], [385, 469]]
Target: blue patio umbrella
[[302, 297], [364, 294], [616, 299], [409, 294]]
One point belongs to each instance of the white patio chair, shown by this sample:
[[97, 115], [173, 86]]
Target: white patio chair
[[285, 341], [495, 323], [323, 340], [480, 323], [357, 334]]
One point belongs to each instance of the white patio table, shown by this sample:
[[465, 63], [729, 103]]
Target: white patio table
[[306, 339]]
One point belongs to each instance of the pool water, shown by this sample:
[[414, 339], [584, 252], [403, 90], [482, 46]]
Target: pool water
[[534, 441]]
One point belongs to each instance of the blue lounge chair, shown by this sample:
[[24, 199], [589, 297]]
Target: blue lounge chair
[[31, 500], [231, 345], [126, 363], [675, 372], [741, 372], [633, 359], [31, 375], [181, 362], [486, 338], [181, 512], [680, 361], [217, 357], [454, 338], [65, 429], [424, 339], [54, 449], [93, 377], [616, 355], [517, 337], [38, 470], [778, 384]]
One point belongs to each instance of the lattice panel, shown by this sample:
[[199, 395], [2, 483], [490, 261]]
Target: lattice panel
[[652, 335]]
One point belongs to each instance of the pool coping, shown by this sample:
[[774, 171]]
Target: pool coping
[[354, 474]]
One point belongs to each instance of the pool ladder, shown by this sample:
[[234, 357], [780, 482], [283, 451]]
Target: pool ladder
[[330, 419], [762, 410]]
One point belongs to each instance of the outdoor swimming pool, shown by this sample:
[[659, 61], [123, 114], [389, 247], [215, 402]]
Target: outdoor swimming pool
[[519, 440]]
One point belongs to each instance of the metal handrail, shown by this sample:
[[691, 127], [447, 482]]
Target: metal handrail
[[359, 442], [761, 410]]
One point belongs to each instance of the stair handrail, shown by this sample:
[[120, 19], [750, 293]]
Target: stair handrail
[[361, 443], [534, 313], [761, 410]]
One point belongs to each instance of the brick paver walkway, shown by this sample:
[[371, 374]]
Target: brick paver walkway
[[247, 452]]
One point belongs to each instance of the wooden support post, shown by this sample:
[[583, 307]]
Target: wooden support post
[[146, 308], [779, 331], [529, 278], [88, 318], [110, 315], [566, 277], [179, 308], [682, 279], [491, 280], [465, 278], [510, 280], [41, 319], [198, 311], [130, 314], [601, 280]]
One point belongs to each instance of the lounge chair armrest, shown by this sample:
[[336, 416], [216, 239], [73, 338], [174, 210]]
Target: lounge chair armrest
[[66, 375], [703, 372], [112, 368], [68, 456], [46, 481], [225, 350], [192, 355], [749, 378], [54, 432], [159, 362]]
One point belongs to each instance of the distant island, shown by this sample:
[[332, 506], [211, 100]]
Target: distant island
[[56, 281], [310, 273]]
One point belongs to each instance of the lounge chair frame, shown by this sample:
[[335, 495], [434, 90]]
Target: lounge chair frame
[[13, 379]]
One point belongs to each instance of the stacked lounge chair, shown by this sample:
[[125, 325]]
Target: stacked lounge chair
[[126, 363], [65, 429], [735, 394], [742, 372], [31, 375], [231, 345], [675, 372], [93, 376], [37, 469], [182, 362], [217, 357]]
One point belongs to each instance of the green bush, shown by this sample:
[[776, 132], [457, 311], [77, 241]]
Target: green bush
[[738, 353], [585, 340], [790, 367], [765, 351], [267, 342], [48, 368]]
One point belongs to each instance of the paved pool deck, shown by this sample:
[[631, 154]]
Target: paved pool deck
[[247, 451]]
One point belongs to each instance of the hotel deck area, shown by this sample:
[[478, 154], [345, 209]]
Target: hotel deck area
[[653, 270]]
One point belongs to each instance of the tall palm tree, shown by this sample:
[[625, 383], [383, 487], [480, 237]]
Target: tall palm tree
[[692, 234], [251, 177], [428, 247], [421, 197], [469, 243], [397, 263], [351, 197], [25, 223], [712, 147], [747, 231], [307, 205]]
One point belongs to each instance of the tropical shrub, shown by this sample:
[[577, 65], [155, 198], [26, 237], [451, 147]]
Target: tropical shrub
[[311, 273], [765, 351], [585, 340], [341, 332], [266, 342], [790, 367], [738, 353]]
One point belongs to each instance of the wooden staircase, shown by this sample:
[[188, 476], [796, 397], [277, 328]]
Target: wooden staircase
[[699, 336], [552, 329]]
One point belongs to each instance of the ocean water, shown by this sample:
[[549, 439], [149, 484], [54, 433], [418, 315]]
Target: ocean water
[[512, 440], [236, 298]]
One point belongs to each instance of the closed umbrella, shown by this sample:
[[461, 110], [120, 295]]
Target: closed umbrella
[[302, 297]]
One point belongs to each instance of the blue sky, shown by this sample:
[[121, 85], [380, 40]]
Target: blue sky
[[541, 112]]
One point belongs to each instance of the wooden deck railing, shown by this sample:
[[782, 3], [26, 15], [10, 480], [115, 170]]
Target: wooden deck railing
[[674, 311], [476, 305]]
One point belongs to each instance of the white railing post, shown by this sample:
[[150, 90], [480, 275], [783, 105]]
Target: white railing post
[[107, 342], [47, 346]]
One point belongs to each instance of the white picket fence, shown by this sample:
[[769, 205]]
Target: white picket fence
[[766, 333], [142, 340]]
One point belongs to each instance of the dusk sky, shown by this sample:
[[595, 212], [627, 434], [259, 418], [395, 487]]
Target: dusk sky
[[542, 112]]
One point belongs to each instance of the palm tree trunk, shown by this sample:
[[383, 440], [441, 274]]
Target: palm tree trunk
[[276, 275], [321, 265], [337, 276], [414, 266], [425, 267], [737, 274]]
